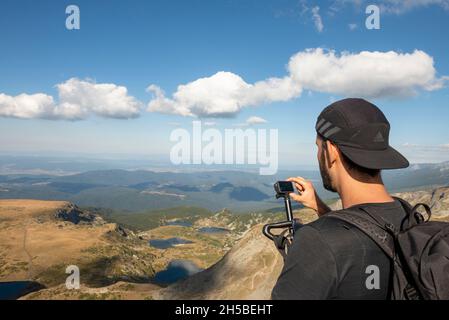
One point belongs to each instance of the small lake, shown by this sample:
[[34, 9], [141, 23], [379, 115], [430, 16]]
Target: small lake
[[182, 223], [175, 271], [213, 230], [16, 289], [167, 243]]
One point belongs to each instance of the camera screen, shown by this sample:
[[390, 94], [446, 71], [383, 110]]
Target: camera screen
[[286, 186]]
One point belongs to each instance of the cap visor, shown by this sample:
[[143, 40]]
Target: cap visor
[[375, 159]]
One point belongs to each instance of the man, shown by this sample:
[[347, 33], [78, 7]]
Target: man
[[329, 258]]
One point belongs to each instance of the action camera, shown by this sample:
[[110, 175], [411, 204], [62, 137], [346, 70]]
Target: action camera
[[283, 239], [283, 188]]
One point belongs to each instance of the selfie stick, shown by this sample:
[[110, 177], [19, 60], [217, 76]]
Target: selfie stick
[[290, 223]]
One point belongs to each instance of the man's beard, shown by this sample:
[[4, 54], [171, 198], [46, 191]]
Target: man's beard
[[327, 182]]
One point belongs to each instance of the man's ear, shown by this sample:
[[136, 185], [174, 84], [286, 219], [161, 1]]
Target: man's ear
[[332, 153]]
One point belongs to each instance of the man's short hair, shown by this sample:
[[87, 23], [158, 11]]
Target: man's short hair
[[354, 166], [364, 171]]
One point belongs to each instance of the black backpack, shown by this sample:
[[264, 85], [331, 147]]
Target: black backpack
[[418, 249]]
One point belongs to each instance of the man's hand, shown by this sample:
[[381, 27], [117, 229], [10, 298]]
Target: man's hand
[[308, 196]]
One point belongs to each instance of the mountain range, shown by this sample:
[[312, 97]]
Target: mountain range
[[140, 190]]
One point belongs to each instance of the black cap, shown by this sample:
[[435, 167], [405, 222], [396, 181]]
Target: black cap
[[361, 132]]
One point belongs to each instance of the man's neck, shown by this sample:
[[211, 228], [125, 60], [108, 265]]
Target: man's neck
[[356, 192]]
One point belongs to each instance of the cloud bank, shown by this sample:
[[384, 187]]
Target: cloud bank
[[224, 94], [78, 99], [365, 74]]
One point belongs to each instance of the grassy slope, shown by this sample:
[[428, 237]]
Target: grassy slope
[[36, 246], [153, 218]]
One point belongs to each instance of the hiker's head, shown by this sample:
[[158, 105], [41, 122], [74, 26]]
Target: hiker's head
[[353, 140], [334, 165]]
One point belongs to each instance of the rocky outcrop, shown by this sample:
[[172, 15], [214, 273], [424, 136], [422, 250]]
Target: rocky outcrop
[[75, 215], [440, 201]]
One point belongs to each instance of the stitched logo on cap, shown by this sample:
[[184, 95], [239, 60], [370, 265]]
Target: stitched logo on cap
[[379, 137]]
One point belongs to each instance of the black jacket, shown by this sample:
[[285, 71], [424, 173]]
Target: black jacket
[[330, 259]]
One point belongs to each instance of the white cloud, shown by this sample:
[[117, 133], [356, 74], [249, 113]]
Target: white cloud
[[440, 147], [251, 121], [221, 95], [78, 99], [255, 120], [409, 145], [27, 106], [317, 20], [307, 12], [352, 26], [365, 74], [81, 98], [402, 6], [217, 95], [418, 153]]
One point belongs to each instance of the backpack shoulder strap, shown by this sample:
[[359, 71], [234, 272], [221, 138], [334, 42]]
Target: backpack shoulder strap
[[369, 225], [407, 207], [413, 217]]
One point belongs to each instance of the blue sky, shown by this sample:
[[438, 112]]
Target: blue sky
[[134, 44]]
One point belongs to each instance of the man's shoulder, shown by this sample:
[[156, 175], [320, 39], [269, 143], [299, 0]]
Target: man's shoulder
[[326, 224], [340, 235], [336, 233], [390, 211]]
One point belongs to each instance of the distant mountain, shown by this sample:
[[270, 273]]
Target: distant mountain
[[248, 194], [142, 190], [185, 188], [220, 187], [137, 191], [417, 176]]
